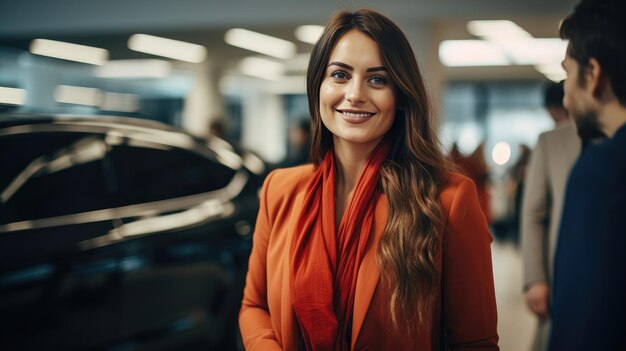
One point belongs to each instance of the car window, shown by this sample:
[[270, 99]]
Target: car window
[[51, 174], [145, 174]]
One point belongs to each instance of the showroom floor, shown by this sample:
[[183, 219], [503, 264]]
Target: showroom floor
[[515, 323]]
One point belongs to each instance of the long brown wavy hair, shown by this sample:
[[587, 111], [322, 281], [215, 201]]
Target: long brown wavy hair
[[411, 177]]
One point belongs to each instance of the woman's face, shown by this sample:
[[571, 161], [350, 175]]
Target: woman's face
[[357, 99]]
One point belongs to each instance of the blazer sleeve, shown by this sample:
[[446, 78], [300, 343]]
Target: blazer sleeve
[[468, 296], [254, 318], [536, 205]]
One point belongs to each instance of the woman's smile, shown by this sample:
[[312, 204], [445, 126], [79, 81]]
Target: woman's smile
[[356, 117]]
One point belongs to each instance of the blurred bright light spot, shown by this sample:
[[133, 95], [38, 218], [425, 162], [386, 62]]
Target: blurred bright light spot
[[288, 85], [277, 85], [257, 42], [68, 51], [12, 96], [469, 138], [504, 43], [499, 30], [261, 68], [77, 95], [119, 102], [134, 69], [553, 71], [501, 153], [462, 53], [535, 51], [309, 33], [106, 101], [174, 49]]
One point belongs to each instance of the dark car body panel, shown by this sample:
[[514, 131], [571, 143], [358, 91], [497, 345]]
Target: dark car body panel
[[120, 234]]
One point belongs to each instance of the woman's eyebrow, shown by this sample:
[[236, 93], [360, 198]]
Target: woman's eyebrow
[[374, 69], [341, 64], [348, 67]]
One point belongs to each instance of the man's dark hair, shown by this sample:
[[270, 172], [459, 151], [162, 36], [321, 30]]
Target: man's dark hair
[[597, 29], [553, 94]]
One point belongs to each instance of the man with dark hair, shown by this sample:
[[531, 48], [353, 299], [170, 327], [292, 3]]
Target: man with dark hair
[[589, 290], [542, 204]]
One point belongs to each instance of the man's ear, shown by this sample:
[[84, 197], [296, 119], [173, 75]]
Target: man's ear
[[597, 80]]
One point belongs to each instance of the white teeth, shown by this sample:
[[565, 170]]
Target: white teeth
[[356, 115]]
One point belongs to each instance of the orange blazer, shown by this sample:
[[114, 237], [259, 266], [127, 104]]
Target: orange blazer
[[465, 315]]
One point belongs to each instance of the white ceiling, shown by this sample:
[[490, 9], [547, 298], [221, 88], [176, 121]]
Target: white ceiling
[[58, 17], [109, 23]]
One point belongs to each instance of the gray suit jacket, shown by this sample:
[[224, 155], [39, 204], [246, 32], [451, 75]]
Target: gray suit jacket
[[550, 164]]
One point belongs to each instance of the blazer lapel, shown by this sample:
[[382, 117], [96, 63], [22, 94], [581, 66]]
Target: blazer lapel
[[369, 274], [288, 319]]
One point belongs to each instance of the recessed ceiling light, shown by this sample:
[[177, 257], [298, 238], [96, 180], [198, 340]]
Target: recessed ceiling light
[[462, 53], [554, 72], [262, 68], [68, 94], [501, 30], [261, 43], [69, 51], [12, 96], [309, 33], [174, 49], [134, 69]]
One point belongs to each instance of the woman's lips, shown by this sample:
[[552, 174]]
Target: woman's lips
[[356, 117]]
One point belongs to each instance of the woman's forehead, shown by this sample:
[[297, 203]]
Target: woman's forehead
[[356, 48]]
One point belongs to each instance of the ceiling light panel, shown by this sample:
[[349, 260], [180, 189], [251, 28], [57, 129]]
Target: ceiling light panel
[[500, 30], [134, 69], [463, 53], [174, 49], [69, 51], [309, 33], [535, 51], [261, 43], [554, 71], [262, 68], [12, 96], [77, 95]]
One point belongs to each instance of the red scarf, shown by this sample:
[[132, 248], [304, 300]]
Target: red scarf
[[325, 262]]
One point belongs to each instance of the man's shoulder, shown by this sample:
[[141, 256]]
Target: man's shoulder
[[566, 130]]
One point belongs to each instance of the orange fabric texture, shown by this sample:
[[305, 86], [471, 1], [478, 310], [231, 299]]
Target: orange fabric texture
[[464, 318], [325, 261]]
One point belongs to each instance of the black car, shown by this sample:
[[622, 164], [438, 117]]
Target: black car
[[121, 234]]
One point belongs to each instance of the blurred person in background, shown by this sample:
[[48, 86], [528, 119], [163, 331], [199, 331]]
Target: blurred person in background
[[475, 167], [589, 289], [299, 144], [349, 252], [542, 203], [518, 178]]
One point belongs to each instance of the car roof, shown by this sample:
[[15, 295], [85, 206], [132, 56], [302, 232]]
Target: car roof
[[12, 119]]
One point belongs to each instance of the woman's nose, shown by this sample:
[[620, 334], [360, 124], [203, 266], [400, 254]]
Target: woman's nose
[[355, 92]]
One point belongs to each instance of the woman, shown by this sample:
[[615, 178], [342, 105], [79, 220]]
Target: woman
[[377, 245]]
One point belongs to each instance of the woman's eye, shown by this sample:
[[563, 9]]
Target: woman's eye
[[378, 80], [339, 75]]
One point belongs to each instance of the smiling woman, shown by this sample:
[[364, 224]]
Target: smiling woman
[[377, 245]]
